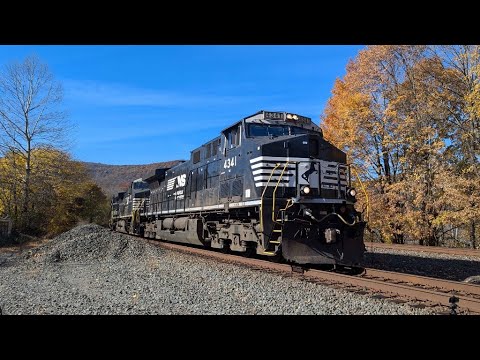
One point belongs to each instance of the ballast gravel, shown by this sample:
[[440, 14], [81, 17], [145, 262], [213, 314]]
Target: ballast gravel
[[91, 270]]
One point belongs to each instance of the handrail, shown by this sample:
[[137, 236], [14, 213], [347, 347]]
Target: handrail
[[263, 194], [364, 191], [339, 178], [288, 205], [275, 191]]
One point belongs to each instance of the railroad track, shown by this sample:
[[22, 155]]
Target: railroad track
[[429, 249], [398, 287]]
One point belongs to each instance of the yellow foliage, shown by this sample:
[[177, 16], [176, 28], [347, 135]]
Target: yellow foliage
[[408, 117], [58, 188]]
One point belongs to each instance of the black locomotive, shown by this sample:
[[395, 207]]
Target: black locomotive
[[268, 185]]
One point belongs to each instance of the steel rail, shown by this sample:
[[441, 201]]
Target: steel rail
[[412, 286]]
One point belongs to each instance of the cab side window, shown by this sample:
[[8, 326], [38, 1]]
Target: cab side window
[[233, 137], [196, 156], [216, 147]]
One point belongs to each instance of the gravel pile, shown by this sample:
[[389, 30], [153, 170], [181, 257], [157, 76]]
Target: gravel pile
[[444, 266], [90, 270], [89, 243]]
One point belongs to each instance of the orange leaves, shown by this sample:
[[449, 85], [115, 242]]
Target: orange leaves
[[408, 116], [57, 184]]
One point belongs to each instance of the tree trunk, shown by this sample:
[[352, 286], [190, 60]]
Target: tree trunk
[[386, 165], [432, 240], [399, 238], [26, 189], [15, 195], [472, 234]]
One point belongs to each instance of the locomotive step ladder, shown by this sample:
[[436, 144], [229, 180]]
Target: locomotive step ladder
[[277, 219], [279, 222]]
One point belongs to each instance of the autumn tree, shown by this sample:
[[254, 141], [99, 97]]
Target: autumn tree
[[363, 112], [87, 204], [458, 77], [407, 117], [30, 118], [62, 195], [9, 180], [95, 205]]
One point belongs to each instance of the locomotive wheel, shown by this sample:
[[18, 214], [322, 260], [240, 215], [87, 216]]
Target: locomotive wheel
[[225, 249]]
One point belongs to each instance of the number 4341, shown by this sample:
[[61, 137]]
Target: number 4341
[[230, 163]]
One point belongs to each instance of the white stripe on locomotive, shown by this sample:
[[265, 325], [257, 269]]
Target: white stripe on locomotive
[[262, 166]]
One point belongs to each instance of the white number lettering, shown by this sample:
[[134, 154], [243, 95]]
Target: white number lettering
[[230, 163]]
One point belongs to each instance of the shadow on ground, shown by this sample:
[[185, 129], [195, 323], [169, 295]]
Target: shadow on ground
[[451, 269]]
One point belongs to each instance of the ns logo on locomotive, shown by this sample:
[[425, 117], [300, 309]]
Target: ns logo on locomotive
[[270, 184]]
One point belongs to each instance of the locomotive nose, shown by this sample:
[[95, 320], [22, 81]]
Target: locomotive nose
[[302, 146]]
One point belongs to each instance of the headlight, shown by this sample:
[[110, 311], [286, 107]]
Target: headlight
[[352, 192], [305, 190], [289, 116]]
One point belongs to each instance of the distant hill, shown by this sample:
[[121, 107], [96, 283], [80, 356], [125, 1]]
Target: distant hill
[[115, 178]]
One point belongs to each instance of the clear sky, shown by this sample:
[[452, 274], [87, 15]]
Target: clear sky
[[142, 104]]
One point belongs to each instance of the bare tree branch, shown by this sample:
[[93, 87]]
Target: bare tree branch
[[30, 115]]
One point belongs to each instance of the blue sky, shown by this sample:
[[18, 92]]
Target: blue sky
[[142, 104]]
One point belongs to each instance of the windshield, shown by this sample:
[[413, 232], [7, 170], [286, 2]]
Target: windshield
[[140, 185], [255, 130]]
